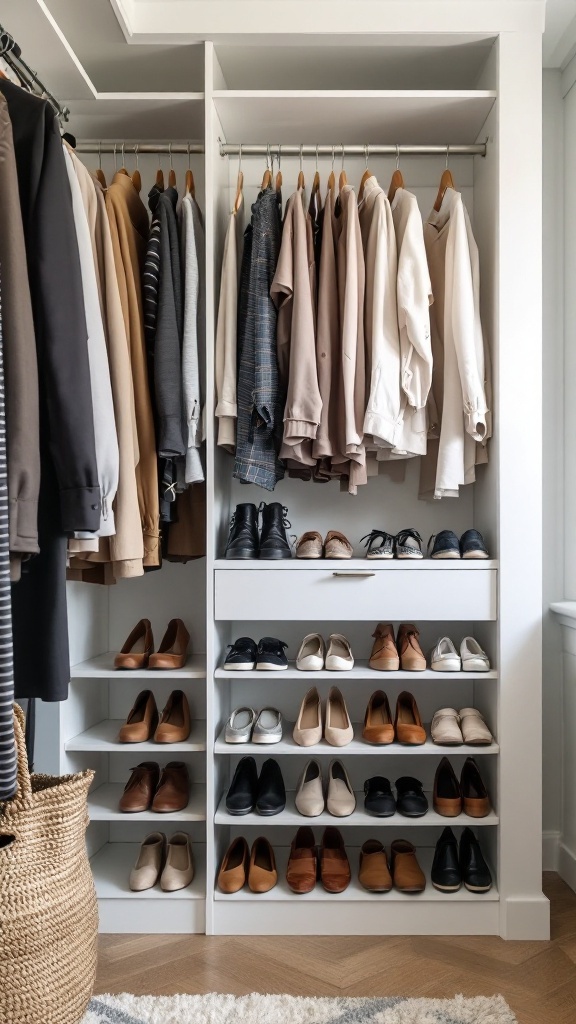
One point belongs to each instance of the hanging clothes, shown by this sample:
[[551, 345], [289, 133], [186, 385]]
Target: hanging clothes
[[325, 446], [259, 429], [226, 336], [8, 759], [22, 411], [194, 334]]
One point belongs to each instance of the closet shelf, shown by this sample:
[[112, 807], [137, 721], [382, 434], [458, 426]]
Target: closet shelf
[[360, 671], [104, 737], [292, 818], [112, 864], [153, 116], [356, 564], [355, 892], [357, 746], [103, 806], [102, 667]]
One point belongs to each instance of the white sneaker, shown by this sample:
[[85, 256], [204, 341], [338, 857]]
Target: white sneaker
[[339, 657], [310, 657], [474, 659], [445, 657]]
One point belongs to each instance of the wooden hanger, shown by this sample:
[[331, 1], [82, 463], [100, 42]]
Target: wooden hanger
[[239, 183], [367, 174], [279, 174], [136, 176], [446, 181], [172, 172], [301, 182], [100, 173], [397, 178], [189, 181], [331, 176], [343, 179], [159, 175]]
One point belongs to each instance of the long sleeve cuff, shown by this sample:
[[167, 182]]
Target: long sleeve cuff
[[475, 422], [80, 509], [299, 430]]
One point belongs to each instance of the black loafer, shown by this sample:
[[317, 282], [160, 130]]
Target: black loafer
[[243, 537], [271, 797], [242, 656], [410, 799], [446, 545], [273, 539], [446, 875], [472, 545], [379, 799], [474, 869], [241, 797]]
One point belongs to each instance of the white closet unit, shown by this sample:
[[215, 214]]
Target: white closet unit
[[477, 79]]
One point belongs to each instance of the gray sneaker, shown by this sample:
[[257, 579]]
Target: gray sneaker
[[239, 726], [268, 727]]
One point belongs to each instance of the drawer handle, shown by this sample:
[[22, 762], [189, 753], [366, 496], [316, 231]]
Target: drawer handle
[[360, 574]]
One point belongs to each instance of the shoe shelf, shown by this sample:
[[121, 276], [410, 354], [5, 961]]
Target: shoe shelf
[[291, 817], [358, 564], [103, 806], [112, 864], [104, 737], [102, 667], [355, 892], [361, 670], [357, 746]]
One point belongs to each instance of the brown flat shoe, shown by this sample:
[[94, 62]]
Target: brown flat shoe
[[411, 656], [262, 873], [302, 869], [142, 719], [378, 727], [384, 657], [174, 647], [408, 726], [140, 788], [374, 873], [138, 647], [335, 872], [447, 796], [474, 793], [406, 871], [336, 545], [174, 726], [310, 545], [234, 866], [173, 792]]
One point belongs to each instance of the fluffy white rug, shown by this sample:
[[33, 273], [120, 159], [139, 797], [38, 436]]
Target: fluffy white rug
[[260, 1009]]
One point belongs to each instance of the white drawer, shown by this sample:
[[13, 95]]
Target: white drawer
[[346, 594]]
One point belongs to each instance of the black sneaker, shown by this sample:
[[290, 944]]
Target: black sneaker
[[446, 875], [408, 544], [446, 545], [472, 545], [242, 655], [379, 543], [270, 656]]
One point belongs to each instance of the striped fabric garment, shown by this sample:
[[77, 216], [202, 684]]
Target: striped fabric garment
[[7, 746]]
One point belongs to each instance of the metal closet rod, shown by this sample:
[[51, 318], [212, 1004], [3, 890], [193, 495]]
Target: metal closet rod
[[341, 149], [118, 146]]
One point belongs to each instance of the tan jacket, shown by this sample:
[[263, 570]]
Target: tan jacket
[[129, 229]]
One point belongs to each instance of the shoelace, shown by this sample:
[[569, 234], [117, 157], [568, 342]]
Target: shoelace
[[271, 646], [285, 521], [403, 536], [373, 536]]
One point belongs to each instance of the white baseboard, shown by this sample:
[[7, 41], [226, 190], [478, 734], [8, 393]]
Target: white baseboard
[[550, 850]]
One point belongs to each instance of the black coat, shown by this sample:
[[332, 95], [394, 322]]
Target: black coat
[[69, 491]]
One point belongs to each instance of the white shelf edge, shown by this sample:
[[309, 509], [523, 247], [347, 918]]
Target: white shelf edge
[[360, 94], [102, 667], [371, 565], [360, 671], [103, 736], [356, 747]]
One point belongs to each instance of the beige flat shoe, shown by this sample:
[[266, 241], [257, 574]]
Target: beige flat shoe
[[338, 731], [339, 657], [310, 795], [308, 729], [474, 729], [146, 871], [138, 647], [340, 800], [310, 657], [445, 729], [310, 545], [336, 545], [179, 868]]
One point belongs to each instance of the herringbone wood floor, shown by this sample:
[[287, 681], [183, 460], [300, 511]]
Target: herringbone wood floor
[[537, 978]]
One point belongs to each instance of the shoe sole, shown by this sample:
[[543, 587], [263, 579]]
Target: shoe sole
[[308, 558], [480, 667], [478, 888], [446, 666], [243, 553], [415, 557], [237, 739], [378, 814], [476, 554], [449, 743], [379, 558], [269, 814], [248, 667], [270, 556], [447, 888], [266, 739], [420, 814], [446, 554], [266, 666], [385, 665], [238, 814], [373, 888], [339, 668]]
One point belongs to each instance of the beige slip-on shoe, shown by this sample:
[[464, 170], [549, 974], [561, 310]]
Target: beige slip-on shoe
[[311, 655], [445, 729], [339, 657], [148, 867], [338, 731], [336, 545], [310, 795], [340, 800], [310, 545], [179, 868], [308, 729], [474, 729]]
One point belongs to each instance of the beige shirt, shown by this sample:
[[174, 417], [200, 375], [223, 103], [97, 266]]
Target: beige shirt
[[226, 338]]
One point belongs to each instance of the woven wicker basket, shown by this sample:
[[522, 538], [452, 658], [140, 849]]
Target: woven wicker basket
[[48, 910]]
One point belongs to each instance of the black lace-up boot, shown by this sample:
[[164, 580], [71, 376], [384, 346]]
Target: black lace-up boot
[[243, 536], [273, 539]]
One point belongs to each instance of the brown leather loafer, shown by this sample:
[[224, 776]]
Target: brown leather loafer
[[302, 869], [173, 792], [411, 655], [234, 866], [384, 657], [142, 719], [174, 726], [378, 727], [138, 647], [447, 796], [140, 788], [406, 871], [374, 873], [474, 793], [174, 647], [335, 872], [262, 873], [408, 726]]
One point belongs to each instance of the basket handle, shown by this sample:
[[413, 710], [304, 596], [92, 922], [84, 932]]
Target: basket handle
[[24, 794]]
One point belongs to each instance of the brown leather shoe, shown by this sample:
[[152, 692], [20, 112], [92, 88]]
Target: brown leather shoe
[[174, 647], [142, 719], [262, 873], [138, 647], [302, 869], [174, 724], [447, 796], [140, 788], [378, 726], [406, 871], [384, 657], [408, 726], [335, 872], [474, 793], [173, 792], [336, 545], [411, 657], [374, 873], [234, 866]]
